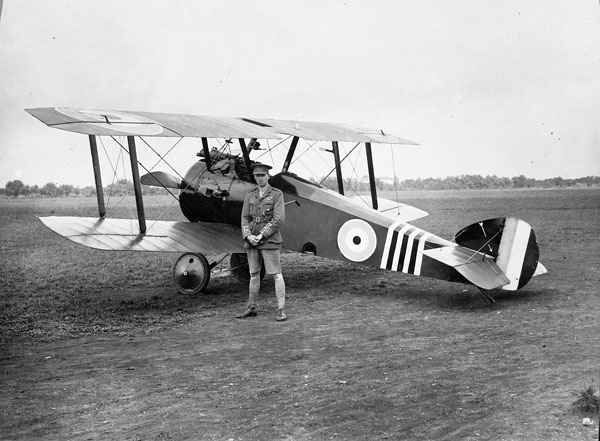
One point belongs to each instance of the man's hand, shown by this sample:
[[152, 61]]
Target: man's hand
[[254, 240]]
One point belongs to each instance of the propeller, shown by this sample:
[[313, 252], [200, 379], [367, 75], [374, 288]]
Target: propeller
[[162, 179]]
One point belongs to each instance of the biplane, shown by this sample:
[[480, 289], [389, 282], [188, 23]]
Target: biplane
[[493, 253]]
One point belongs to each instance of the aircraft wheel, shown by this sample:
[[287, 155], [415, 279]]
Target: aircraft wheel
[[191, 273], [239, 267]]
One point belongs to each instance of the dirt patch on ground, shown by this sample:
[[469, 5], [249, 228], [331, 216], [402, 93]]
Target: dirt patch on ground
[[364, 355]]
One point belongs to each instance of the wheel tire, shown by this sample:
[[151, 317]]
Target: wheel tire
[[191, 273]]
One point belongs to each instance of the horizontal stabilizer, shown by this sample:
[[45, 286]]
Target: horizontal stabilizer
[[165, 236], [478, 268], [394, 210]]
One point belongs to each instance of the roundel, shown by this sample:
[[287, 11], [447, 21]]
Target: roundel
[[115, 121], [357, 240]]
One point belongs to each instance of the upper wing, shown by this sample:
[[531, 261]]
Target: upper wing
[[316, 131], [119, 123], [123, 235]]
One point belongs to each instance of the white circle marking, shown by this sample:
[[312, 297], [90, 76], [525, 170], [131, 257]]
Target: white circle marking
[[357, 240]]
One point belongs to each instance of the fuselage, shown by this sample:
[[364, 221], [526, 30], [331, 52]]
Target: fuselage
[[320, 221]]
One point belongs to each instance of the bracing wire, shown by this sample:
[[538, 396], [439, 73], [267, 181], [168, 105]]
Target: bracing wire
[[270, 149], [483, 246], [131, 215], [395, 179], [115, 172], [298, 158], [341, 161], [162, 157], [163, 212], [355, 174], [309, 148], [141, 165], [120, 163]]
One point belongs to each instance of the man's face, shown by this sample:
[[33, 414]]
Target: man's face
[[262, 179]]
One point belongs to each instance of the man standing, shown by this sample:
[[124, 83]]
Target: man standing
[[263, 214]]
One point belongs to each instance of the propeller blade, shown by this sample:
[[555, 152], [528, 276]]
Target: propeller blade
[[161, 179]]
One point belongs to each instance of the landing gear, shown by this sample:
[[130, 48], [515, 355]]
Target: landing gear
[[191, 273]]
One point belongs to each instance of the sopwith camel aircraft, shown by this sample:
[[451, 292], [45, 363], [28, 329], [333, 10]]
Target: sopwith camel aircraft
[[493, 253]]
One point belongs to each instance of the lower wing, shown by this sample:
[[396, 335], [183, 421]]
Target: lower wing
[[165, 236]]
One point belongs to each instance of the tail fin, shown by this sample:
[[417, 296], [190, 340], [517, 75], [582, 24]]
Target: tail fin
[[511, 242]]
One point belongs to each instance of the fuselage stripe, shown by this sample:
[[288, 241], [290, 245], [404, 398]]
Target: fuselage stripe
[[389, 246], [388, 263], [420, 248], [409, 263], [402, 253], [401, 249]]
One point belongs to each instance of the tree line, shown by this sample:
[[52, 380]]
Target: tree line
[[463, 182], [122, 187]]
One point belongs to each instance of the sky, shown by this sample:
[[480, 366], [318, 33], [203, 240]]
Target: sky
[[485, 87]]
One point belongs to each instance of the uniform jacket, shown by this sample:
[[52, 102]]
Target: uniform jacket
[[263, 216]]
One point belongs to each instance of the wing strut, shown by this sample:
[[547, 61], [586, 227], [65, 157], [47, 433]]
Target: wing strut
[[371, 175], [290, 154], [338, 166], [97, 177], [206, 153], [246, 157], [137, 185]]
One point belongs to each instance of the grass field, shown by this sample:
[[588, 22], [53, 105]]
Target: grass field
[[99, 345]]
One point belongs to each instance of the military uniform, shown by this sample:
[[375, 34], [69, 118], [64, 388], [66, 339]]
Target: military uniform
[[263, 213]]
